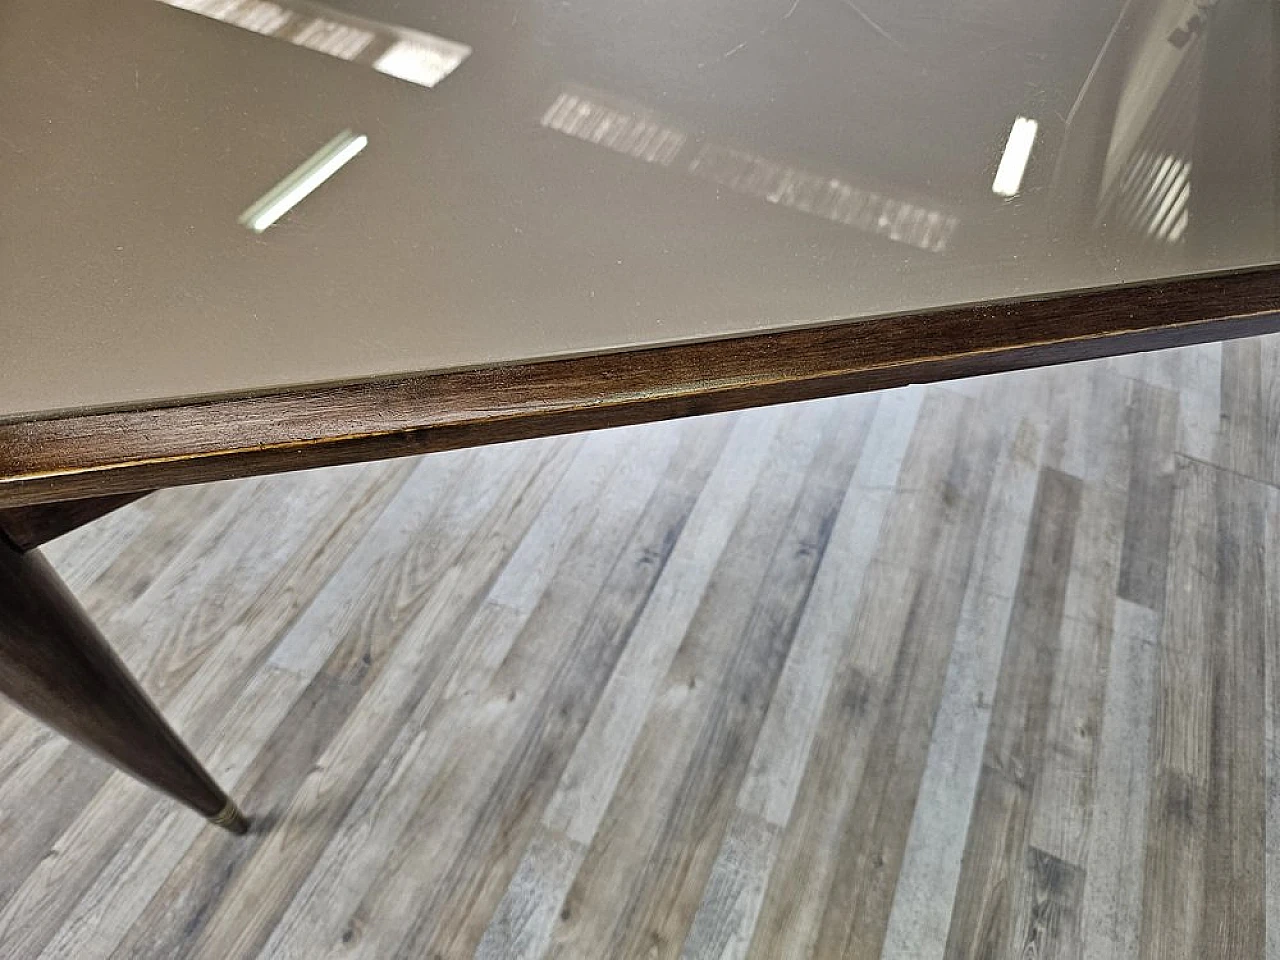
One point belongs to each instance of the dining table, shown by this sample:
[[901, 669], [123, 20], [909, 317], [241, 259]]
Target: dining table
[[241, 237]]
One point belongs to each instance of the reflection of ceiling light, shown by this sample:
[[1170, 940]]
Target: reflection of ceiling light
[[1163, 207], [294, 188], [1017, 151], [412, 55], [425, 60]]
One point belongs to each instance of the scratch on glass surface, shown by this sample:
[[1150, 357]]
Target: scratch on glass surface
[[879, 30]]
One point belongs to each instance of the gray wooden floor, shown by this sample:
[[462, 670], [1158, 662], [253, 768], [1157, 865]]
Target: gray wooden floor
[[987, 670]]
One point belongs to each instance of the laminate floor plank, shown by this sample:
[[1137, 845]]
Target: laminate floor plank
[[28, 749], [1250, 409], [689, 761], [457, 767], [1062, 801], [513, 803], [724, 923], [985, 917], [412, 578], [1234, 907], [930, 871], [1204, 884], [1271, 707], [795, 900], [1152, 429], [1111, 913], [984, 670], [874, 835], [524, 920], [197, 687], [1195, 375]]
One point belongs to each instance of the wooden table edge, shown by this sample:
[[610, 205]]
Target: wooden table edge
[[115, 453]]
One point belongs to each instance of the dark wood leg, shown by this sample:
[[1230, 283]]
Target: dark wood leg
[[28, 527], [56, 666]]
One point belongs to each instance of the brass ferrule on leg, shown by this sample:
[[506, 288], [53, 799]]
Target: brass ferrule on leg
[[230, 818]]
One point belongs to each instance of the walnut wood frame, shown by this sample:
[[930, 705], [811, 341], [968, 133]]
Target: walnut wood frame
[[57, 666], [29, 527], [65, 457]]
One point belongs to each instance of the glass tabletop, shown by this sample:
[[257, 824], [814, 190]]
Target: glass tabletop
[[203, 197]]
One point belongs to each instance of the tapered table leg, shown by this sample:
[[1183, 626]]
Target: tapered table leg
[[56, 665]]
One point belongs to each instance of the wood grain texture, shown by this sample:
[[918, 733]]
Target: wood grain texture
[[1234, 910], [874, 833], [244, 591], [109, 453], [110, 565], [710, 706], [724, 923], [55, 664], [528, 912], [1271, 727], [1152, 426], [988, 917], [1108, 465], [851, 678], [1203, 885], [930, 871], [1112, 895], [403, 587], [799, 890], [1048, 908], [29, 527], [541, 749]]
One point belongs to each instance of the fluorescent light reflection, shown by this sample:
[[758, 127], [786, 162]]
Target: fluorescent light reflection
[[412, 55], [1017, 151], [294, 188]]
